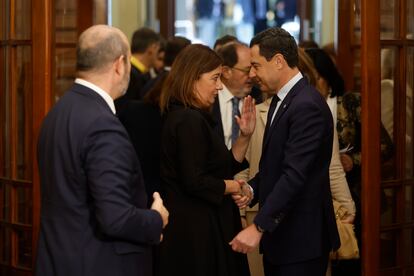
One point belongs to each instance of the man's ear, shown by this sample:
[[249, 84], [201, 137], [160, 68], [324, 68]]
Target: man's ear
[[278, 60], [226, 72], [119, 65]]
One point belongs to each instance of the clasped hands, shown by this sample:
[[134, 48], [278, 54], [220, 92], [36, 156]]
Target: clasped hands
[[248, 239], [240, 191], [244, 196]]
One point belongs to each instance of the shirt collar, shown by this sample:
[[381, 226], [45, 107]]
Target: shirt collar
[[108, 99], [282, 93], [138, 64], [225, 94]]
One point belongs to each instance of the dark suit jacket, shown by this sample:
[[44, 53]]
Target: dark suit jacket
[[216, 114], [143, 123], [93, 218], [292, 184], [137, 81], [194, 162]]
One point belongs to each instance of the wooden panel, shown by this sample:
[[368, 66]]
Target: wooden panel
[[3, 19], [370, 73], [85, 13], [21, 25], [42, 72], [23, 112], [100, 12], [389, 19], [4, 149], [345, 32], [166, 16]]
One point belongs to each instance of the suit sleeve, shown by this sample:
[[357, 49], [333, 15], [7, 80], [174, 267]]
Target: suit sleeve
[[193, 148], [307, 131], [109, 169]]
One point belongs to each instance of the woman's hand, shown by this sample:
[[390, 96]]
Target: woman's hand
[[247, 119], [232, 187], [347, 162]]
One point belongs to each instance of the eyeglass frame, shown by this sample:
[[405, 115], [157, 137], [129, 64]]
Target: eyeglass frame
[[246, 71]]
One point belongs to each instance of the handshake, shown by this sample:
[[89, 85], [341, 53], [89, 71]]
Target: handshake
[[240, 191]]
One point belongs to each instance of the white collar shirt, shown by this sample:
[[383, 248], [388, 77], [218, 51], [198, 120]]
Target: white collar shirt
[[282, 93], [226, 107], [108, 99]]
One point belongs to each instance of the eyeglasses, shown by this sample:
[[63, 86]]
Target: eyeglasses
[[244, 70]]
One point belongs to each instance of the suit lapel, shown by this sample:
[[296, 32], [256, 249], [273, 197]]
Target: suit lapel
[[283, 108]]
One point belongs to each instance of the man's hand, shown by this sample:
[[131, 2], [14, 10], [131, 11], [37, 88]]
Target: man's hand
[[247, 240], [245, 196], [158, 206]]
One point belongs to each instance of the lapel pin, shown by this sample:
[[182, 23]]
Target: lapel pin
[[284, 106]]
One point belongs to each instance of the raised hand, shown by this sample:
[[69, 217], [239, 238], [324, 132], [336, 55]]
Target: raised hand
[[247, 119]]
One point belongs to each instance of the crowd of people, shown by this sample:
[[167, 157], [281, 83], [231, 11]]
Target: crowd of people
[[172, 158]]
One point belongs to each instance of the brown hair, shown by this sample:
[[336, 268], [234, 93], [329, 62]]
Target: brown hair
[[187, 68], [307, 67]]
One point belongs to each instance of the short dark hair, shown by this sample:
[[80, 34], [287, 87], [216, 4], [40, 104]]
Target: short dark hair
[[228, 54], [95, 56], [221, 41], [327, 70], [142, 39], [277, 41], [174, 47]]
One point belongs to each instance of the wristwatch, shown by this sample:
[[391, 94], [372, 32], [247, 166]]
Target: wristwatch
[[260, 229]]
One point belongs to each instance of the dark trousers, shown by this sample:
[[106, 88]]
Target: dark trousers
[[313, 267]]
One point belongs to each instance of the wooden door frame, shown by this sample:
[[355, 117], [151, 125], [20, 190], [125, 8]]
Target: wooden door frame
[[166, 16], [42, 14], [370, 140]]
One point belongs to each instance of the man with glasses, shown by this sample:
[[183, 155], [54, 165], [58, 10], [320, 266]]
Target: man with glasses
[[236, 85]]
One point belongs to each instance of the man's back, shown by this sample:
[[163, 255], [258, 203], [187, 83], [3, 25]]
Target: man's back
[[91, 191]]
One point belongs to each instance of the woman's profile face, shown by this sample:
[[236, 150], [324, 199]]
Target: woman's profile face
[[207, 87]]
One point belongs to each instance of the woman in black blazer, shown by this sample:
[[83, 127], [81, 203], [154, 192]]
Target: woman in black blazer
[[197, 171]]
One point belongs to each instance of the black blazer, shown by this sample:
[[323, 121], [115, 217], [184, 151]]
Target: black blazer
[[292, 184], [137, 81], [94, 219], [194, 164], [218, 123], [143, 123]]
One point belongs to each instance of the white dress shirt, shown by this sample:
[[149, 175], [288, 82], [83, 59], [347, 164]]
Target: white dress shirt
[[108, 99], [226, 108], [282, 93]]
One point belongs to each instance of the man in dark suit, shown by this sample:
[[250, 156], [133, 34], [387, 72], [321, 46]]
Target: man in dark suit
[[94, 219], [295, 224], [145, 46]]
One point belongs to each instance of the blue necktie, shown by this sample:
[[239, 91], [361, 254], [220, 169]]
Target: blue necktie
[[235, 112]]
